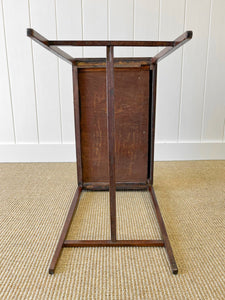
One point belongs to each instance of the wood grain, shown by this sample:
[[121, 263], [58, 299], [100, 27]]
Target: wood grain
[[131, 123], [110, 100]]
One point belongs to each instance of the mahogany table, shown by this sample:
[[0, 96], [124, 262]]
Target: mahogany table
[[114, 112]]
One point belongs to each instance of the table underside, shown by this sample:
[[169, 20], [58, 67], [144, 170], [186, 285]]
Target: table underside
[[131, 127]]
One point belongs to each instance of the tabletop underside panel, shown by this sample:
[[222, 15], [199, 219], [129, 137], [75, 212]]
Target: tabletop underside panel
[[131, 124]]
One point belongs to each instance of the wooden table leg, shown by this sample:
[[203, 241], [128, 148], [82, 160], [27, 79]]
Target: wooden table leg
[[162, 227], [111, 137], [153, 89], [66, 227]]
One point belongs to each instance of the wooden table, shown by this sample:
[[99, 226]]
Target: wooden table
[[114, 112]]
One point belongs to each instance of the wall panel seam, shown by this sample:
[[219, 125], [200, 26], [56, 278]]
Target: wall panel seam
[[159, 22], [159, 19], [7, 63], [108, 28], [33, 71], [182, 78], [82, 24], [206, 71], [59, 98], [133, 25], [223, 140]]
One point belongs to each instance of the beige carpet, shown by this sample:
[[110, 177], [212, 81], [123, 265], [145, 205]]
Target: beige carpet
[[35, 199]]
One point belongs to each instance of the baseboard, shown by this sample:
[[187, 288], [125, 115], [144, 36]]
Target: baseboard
[[66, 152], [190, 151], [38, 153]]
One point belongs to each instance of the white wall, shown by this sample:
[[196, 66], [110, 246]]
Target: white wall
[[36, 118]]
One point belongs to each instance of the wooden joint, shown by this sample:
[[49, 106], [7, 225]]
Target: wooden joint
[[110, 243]]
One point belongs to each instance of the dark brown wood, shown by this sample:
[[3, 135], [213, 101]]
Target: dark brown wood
[[111, 137], [34, 35], [104, 186], [66, 227], [131, 124], [76, 105], [52, 45], [113, 43], [119, 62], [162, 227], [115, 129], [117, 243], [180, 41], [152, 111]]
